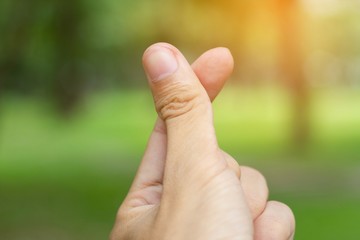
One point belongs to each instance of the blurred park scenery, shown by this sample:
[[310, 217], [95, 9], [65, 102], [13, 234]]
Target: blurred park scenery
[[75, 110]]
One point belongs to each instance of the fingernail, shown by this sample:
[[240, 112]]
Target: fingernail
[[160, 63]]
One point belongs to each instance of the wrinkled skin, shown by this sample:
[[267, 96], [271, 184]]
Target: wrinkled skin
[[186, 187]]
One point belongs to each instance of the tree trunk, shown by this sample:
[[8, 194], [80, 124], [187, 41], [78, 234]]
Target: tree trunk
[[68, 80], [292, 62]]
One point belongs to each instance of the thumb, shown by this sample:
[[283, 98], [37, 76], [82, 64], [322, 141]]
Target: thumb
[[183, 104]]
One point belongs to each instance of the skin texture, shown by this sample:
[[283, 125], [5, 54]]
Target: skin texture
[[186, 187]]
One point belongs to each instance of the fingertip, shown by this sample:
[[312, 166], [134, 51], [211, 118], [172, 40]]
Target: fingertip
[[157, 45], [159, 62], [174, 85], [220, 57], [213, 68], [226, 56], [286, 211]]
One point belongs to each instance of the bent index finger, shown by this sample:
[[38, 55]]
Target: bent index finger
[[213, 68]]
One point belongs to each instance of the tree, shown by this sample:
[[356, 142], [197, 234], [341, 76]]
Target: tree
[[68, 76], [291, 63]]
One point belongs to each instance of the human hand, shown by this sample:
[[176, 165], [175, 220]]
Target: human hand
[[186, 187]]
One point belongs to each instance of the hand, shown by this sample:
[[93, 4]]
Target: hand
[[186, 187]]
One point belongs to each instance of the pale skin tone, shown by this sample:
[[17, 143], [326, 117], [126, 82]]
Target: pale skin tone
[[187, 187]]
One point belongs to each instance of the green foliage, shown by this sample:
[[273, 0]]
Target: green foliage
[[65, 179]]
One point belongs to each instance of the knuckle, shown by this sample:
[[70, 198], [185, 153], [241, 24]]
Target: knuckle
[[282, 218], [232, 164], [254, 176], [256, 190], [176, 100], [287, 213], [277, 230]]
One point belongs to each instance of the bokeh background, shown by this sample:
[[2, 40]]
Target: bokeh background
[[75, 110]]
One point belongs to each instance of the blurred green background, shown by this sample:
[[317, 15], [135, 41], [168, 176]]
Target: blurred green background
[[75, 110]]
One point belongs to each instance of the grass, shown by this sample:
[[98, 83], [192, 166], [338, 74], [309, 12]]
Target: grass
[[65, 179]]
